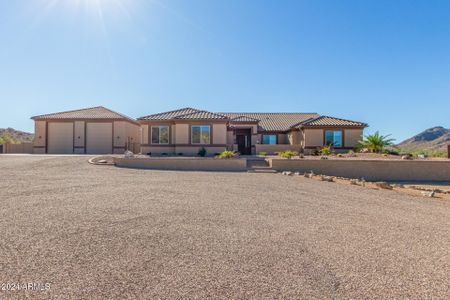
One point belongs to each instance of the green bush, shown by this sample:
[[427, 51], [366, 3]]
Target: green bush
[[288, 154], [262, 153], [227, 154], [202, 152], [326, 150]]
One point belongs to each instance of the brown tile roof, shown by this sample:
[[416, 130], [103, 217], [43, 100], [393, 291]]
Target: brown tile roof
[[201, 115], [98, 112], [329, 121], [266, 121], [170, 115], [275, 121], [243, 119]]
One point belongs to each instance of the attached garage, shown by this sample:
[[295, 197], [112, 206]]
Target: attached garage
[[60, 138], [96, 130]]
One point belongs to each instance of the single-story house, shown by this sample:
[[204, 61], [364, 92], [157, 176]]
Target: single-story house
[[95, 130], [185, 131]]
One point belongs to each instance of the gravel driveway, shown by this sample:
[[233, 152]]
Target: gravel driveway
[[105, 232]]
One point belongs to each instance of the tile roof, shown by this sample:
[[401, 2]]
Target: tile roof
[[266, 121], [329, 121], [201, 115], [98, 112], [170, 115], [243, 119], [275, 121]]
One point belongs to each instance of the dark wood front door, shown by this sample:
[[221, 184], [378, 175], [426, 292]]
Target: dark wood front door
[[244, 141]]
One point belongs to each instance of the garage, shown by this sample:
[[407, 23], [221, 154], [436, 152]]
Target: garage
[[96, 130], [99, 138], [60, 137]]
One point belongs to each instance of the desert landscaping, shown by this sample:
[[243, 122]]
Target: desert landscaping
[[106, 232]]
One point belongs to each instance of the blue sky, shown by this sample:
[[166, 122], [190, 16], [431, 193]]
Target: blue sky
[[386, 63]]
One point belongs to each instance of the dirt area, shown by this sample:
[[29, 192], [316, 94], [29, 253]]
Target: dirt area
[[101, 232]]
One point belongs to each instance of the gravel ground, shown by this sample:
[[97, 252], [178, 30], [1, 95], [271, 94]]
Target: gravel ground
[[105, 232]]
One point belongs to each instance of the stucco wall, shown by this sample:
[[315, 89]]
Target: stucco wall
[[352, 137], [79, 134], [183, 163], [273, 149], [313, 137], [158, 150], [193, 150], [182, 133], [144, 139], [372, 170], [39, 134], [120, 133], [219, 134]]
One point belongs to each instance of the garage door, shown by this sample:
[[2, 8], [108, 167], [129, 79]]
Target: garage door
[[60, 138], [99, 138]]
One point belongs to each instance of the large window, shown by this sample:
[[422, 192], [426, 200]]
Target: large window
[[269, 139], [160, 134], [201, 134], [333, 138]]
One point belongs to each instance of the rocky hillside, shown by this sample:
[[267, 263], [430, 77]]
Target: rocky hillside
[[436, 138], [15, 136]]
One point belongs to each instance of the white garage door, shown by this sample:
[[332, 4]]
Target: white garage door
[[99, 138], [60, 138]]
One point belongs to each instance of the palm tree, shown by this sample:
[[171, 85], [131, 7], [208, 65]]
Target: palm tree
[[376, 142]]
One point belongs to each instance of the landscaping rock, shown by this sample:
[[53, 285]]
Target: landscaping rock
[[354, 181], [128, 154], [327, 178], [398, 185], [384, 185], [406, 157], [102, 161], [324, 157], [297, 173], [288, 173], [429, 194], [309, 175]]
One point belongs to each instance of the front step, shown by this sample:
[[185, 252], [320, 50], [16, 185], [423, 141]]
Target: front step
[[261, 170]]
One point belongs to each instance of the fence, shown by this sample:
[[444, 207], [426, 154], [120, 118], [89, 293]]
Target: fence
[[18, 148]]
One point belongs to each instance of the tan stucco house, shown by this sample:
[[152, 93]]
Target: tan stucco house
[[99, 130], [185, 131], [96, 130]]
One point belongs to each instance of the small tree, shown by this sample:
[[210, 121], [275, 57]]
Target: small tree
[[376, 142]]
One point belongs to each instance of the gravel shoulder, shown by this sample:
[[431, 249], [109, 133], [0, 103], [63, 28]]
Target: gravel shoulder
[[101, 232]]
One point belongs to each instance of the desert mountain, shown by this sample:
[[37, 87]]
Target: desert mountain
[[16, 135], [436, 138]]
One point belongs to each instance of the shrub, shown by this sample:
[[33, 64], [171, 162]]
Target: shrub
[[326, 150], [180, 154], [227, 154], [263, 153], [202, 152], [288, 154], [376, 142]]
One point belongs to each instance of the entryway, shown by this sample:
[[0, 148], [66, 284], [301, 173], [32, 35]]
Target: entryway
[[244, 141]]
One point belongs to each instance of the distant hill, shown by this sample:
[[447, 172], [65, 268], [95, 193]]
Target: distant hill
[[16, 135], [436, 138]]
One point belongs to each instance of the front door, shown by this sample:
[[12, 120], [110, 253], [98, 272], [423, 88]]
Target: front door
[[243, 140]]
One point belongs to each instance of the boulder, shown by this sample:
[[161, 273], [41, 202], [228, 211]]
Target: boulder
[[327, 178], [429, 194], [128, 154], [384, 185]]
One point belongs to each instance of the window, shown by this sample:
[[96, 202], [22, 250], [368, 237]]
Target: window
[[270, 139], [160, 134], [333, 138], [200, 134]]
